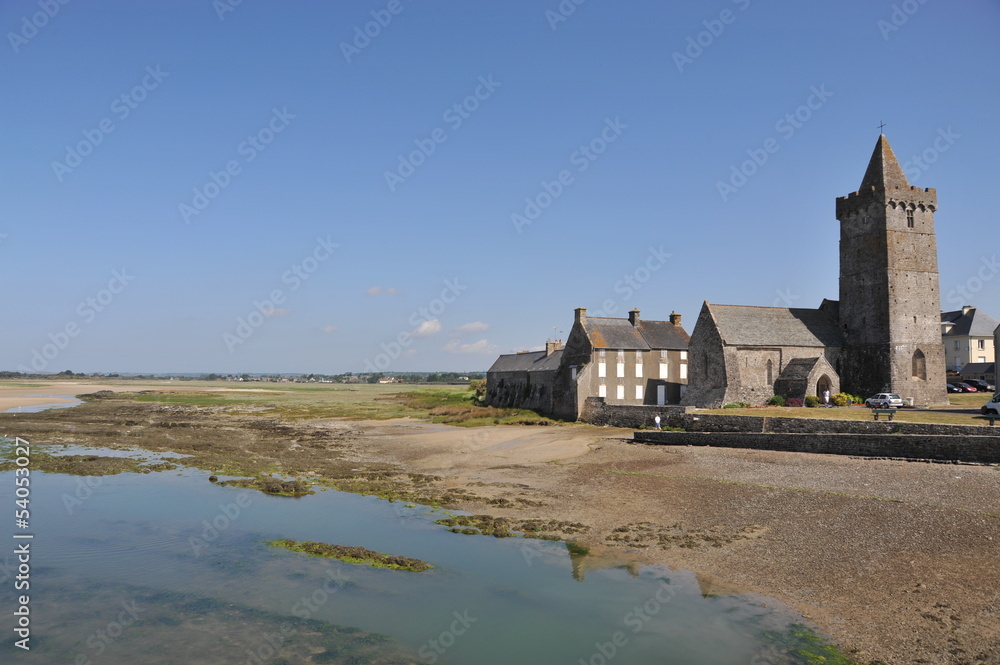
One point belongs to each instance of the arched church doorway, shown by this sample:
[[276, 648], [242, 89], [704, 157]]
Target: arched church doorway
[[823, 385]]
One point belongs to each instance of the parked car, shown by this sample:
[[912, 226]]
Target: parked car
[[966, 388], [991, 408], [979, 385], [884, 401], [952, 388]]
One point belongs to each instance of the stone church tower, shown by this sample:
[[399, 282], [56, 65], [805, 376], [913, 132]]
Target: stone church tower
[[890, 303]]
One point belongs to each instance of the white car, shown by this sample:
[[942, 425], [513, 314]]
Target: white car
[[884, 401], [991, 408]]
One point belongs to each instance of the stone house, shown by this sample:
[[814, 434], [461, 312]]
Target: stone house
[[968, 336], [524, 380], [622, 361]]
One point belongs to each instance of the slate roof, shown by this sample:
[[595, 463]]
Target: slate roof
[[741, 325], [974, 322], [535, 361], [621, 334], [664, 335], [799, 368], [978, 368]]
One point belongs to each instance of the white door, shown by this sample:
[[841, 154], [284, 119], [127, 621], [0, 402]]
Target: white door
[[661, 395]]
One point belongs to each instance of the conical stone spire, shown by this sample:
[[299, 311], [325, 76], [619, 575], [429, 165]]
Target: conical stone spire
[[884, 172]]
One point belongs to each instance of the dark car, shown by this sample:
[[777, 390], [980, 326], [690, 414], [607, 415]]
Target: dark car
[[966, 388], [952, 388], [979, 385]]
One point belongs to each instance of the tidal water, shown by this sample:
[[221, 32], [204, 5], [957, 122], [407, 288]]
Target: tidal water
[[170, 568]]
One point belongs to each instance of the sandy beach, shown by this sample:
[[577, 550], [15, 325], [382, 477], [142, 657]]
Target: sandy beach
[[894, 560]]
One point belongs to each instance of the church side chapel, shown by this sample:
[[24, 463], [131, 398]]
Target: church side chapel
[[883, 335]]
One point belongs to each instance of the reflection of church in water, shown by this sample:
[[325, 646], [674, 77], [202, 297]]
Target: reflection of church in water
[[884, 333]]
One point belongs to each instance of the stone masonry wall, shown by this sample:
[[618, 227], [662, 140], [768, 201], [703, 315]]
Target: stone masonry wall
[[981, 449]]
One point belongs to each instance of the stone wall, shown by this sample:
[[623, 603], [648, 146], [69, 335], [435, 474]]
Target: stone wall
[[982, 449], [701, 422], [597, 412]]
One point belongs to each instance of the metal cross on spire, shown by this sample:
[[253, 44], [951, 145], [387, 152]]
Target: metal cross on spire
[[880, 126]]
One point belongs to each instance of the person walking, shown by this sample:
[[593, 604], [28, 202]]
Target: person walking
[[656, 421]]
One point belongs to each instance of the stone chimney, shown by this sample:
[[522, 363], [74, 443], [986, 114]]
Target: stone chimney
[[675, 319], [966, 308], [581, 314], [551, 346], [633, 317]]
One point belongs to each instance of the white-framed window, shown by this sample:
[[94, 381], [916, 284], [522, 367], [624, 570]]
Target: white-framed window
[[684, 371], [621, 370], [602, 370], [957, 347], [664, 371], [664, 354], [982, 344], [638, 393], [638, 356], [620, 393], [684, 355], [638, 370], [602, 390], [600, 353], [621, 355], [982, 359]]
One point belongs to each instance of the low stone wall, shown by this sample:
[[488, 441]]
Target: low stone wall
[[597, 412], [702, 422], [981, 449]]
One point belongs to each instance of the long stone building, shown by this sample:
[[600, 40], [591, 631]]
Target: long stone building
[[621, 361], [884, 333]]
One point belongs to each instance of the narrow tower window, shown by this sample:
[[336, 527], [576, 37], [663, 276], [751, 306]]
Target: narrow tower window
[[919, 365], [909, 218]]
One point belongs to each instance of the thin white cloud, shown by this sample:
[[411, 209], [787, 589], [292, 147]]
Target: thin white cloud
[[382, 291], [427, 328], [330, 329], [279, 312], [482, 346], [474, 327], [410, 352]]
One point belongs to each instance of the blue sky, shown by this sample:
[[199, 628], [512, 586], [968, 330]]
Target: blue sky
[[209, 186]]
